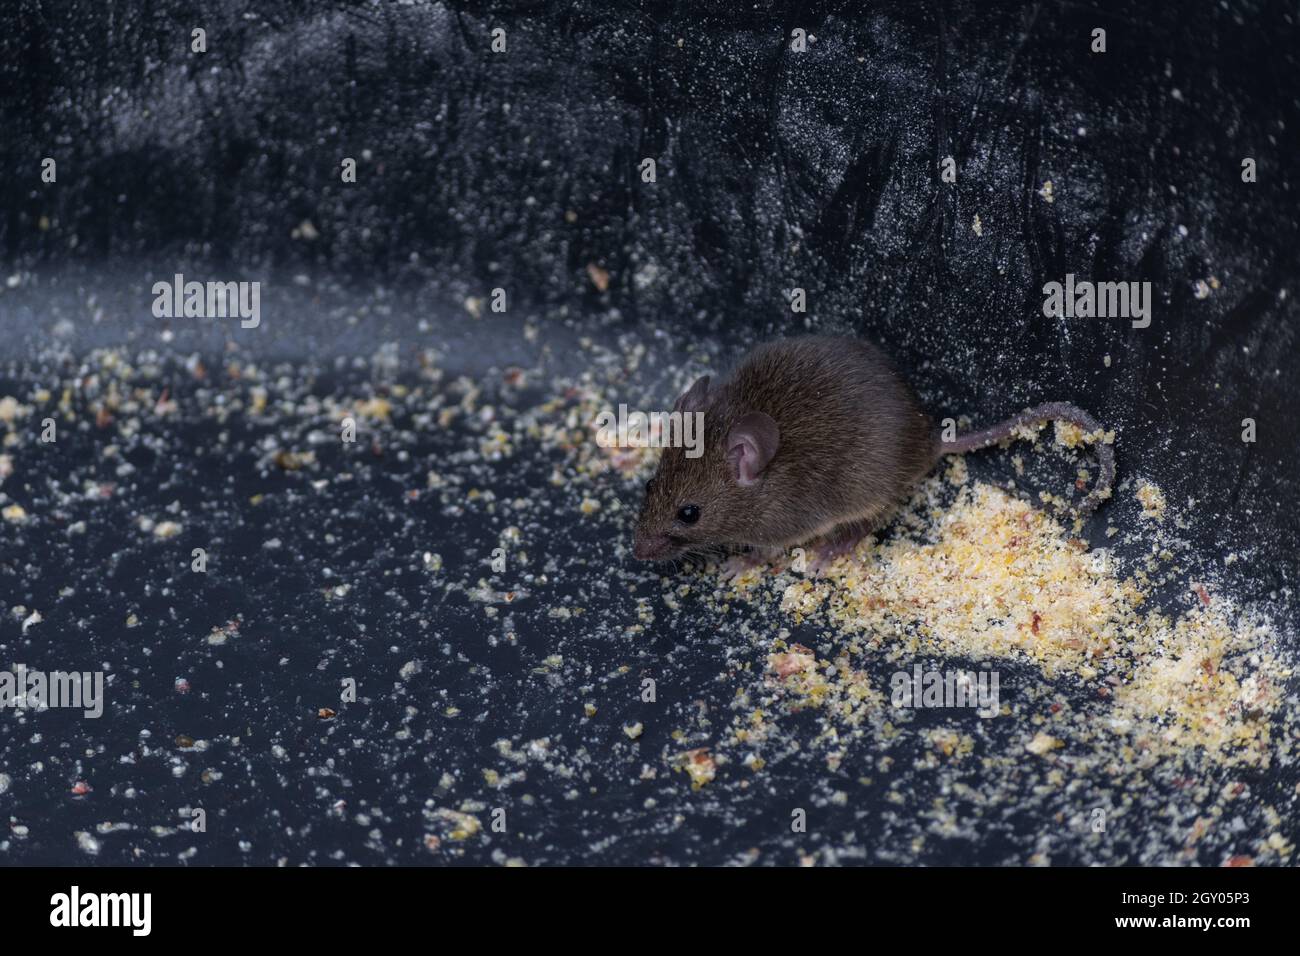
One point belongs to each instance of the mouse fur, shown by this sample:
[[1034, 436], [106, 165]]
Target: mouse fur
[[813, 437], [853, 440]]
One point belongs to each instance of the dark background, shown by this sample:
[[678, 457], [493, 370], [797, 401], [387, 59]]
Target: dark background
[[775, 169]]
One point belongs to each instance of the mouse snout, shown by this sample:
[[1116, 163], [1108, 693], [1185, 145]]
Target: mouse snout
[[651, 547]]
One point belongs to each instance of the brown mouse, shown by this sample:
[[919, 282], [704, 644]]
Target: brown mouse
[[811, 437]]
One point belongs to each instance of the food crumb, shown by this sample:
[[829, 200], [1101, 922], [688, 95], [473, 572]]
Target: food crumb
[[1152, 501]]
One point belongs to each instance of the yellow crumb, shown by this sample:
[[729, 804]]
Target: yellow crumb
[[1152, 500]]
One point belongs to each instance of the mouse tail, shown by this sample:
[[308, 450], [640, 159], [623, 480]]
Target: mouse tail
[[1039, 414]]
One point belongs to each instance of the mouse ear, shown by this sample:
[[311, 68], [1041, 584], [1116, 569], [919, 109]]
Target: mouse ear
[[751, 443], [692, 399]]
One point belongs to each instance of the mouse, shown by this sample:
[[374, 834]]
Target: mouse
[[811, 439]]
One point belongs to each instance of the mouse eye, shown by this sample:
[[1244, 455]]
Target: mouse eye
[[688, 514], [649, 485]]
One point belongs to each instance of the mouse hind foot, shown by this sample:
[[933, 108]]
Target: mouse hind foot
[[749, 560], [841, 542]]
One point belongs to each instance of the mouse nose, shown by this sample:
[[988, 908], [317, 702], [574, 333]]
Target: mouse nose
[[650, 546]]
